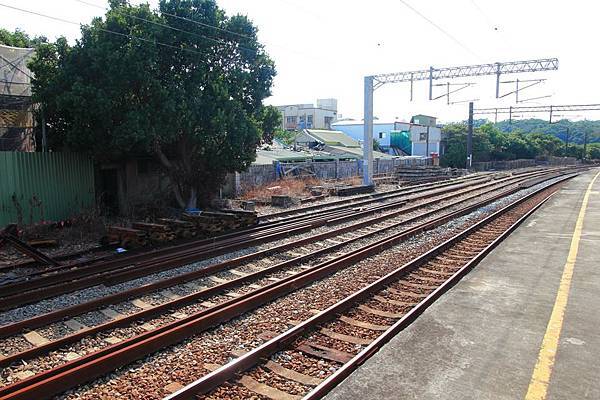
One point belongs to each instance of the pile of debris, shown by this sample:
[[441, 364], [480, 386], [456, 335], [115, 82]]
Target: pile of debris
[[197, 224], [423, 174]]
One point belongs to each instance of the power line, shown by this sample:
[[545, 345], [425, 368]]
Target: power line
[[172, 27], [209, 26], [174, 16], [455, 40], [66, 21]]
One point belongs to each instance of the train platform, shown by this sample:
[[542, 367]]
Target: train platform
[[524, 324]]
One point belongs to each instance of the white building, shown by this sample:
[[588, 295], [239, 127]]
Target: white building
[[309, 116], [425, 136]]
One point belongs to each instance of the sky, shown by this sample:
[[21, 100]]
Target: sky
[[324, 48]]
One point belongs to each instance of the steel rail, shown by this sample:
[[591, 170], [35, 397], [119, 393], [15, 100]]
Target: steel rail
[[22, 293], [105, 360], [274, 226], [57, 315], [70, 312], [338, 376], [176, 260], [247, 361], [367, 196], [216, 242]]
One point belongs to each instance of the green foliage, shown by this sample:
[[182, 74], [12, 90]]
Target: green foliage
[[490, 144], [19, 38], [577, 129], [286, 137], [593, 151], [376, 146], [270, 119], [196, 105]]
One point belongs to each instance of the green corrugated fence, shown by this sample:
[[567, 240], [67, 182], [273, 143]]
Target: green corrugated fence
[[44, 186]]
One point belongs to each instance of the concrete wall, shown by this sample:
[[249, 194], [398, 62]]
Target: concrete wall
[[501, 165], [258, 175]]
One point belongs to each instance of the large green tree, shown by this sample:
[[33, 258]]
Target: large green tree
[[18, 38], [270, 121], [184, 82]]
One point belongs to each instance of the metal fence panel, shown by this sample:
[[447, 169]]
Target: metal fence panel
[[38, 187]]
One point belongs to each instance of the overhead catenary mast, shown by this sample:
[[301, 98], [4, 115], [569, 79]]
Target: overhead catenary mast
[[373, 82]]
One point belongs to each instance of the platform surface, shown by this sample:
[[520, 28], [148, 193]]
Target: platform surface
[[481, 340]]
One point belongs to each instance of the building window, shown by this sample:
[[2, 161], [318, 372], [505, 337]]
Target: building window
[[309, 121], [423, 136], [290, 120], [328, 121], [381, 135]]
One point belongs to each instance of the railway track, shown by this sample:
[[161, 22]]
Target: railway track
[[232, 283], [122, 353], [62, 280], [346, 334]]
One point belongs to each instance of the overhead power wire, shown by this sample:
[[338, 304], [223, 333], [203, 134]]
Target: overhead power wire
[[205, 25], [439, 28], [169, 26], [174, 16], [133, 37]]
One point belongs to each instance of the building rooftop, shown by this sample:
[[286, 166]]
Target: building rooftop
[[332, 138]]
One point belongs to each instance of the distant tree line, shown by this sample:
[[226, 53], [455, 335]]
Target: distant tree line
[[576, 130], [490, 143]]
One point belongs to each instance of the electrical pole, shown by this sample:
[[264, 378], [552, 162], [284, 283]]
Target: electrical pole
[[368, 133], [470, 137], [567, 143], [427, 143], [585, 145]]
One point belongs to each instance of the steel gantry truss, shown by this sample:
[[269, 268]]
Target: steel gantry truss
[[373, 82], [551, 110], [498, 69]]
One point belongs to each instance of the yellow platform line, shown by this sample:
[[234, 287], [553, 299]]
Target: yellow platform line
[[538, 386]]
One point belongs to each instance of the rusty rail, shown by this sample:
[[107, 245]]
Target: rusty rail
[[105, 360], [282, 341]]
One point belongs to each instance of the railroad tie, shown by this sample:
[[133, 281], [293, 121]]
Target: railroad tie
[[327, 353], [393, 302], [238, 273], [418, 286], [361, 324], [430, 271], [169, 295], [266, 390], [139, 303], [147, 327], [113, 340], [35, 338], [292, 272], [172, 387], [217, 280], [430, 279], [74, 325], [379, 313], [407, 293], [254, 267], [112, 314], [344, 338], [292, 375]]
